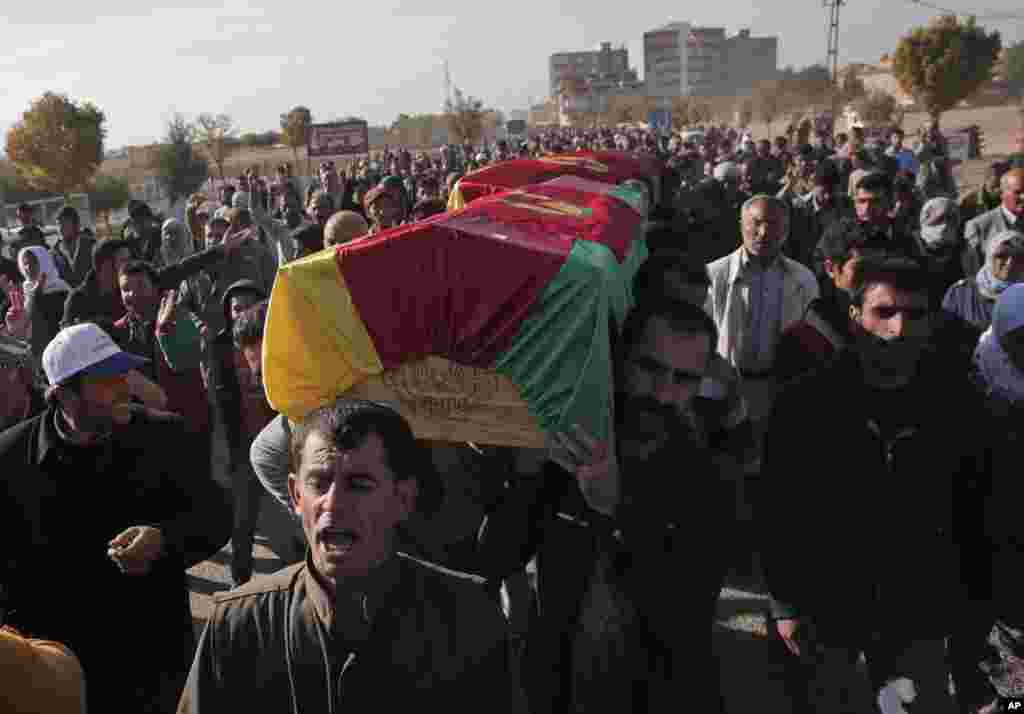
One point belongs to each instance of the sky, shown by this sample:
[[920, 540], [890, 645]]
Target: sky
[[254, 60]]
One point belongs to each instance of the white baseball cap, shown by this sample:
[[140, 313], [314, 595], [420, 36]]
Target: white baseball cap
[[86, 349]]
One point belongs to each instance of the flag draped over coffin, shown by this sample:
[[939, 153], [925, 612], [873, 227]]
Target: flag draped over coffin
[[527, 283], [612, 167]]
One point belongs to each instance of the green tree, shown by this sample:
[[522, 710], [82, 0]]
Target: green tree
[[1015, 68], [946, 62], [58, 144], [465, 117], [179, 169], [108, 194], [216, 133], [295, 128]]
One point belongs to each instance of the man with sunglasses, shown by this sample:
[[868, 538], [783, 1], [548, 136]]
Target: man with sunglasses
[[104, 506]]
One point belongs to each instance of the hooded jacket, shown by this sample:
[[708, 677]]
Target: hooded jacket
[[231, 396]]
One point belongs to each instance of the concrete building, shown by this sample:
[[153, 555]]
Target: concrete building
[[681, 59], [747, 61], [606, 62]]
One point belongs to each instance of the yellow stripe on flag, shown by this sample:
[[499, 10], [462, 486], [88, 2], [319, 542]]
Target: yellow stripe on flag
[[455, 200], [315, 344]]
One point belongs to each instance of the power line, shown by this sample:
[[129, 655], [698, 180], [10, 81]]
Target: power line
[[991, 16]]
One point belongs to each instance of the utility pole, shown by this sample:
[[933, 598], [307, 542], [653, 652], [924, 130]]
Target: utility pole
[[832, 60], [447, 86]]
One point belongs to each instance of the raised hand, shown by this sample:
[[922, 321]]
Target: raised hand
[[168, 305]]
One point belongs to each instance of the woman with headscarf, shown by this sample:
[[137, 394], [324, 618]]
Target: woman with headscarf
[[999, 372], [45, 292], [939, 243], [973, 299]]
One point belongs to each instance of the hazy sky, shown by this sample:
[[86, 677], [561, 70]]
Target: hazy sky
[[254, 60]]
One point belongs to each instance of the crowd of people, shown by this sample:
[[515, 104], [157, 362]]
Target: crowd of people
[[821, 381]]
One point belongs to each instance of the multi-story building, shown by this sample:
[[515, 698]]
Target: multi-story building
[[748, 60], [683, 60], [606, 62]]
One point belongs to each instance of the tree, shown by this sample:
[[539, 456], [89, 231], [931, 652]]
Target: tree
[[108, 194], [267, 138], [851, 87], [878, 108], [744, 111], [295, 128], [682, 112], [58, 144], [769, 101], [1015, 68], [179, 170], [944, 63], [465, 116], [215, 133]]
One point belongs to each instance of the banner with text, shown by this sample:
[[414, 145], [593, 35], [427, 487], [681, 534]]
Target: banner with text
[[339, 139]]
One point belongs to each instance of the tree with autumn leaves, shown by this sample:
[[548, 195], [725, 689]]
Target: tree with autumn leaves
[[946, 62], [58, 143]]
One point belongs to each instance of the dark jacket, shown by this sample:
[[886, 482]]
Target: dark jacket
[[74, 274], [227, 390], [807, 225], [652, 541], [812, 342], [87, 303], [46, 315], [884, 487], [712, 218], [435, 643], [59, 507], [25, 237]]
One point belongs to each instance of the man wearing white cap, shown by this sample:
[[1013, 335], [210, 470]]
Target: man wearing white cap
[[103, 507]]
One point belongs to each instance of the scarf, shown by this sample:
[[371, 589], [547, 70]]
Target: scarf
[[1000, 375], [989, 285], [47, 266]]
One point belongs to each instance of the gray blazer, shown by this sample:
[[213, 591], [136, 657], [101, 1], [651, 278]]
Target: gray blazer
[[978, 232]]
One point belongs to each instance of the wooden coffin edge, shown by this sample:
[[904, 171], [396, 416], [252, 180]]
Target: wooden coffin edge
[[446, 401]]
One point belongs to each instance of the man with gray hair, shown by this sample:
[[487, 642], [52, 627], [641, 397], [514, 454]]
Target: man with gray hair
[[755, 294]]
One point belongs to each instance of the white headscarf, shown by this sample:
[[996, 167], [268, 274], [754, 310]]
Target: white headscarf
[[175, 243], [1001, 376], [47, 266]]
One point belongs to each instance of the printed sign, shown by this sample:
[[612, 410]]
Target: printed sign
[[660, 119], [339, 139]]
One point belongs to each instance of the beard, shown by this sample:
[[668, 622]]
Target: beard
[[893, 362], [649, 431]]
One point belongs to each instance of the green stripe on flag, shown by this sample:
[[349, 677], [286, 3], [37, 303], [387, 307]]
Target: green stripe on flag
[[561, 355]]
